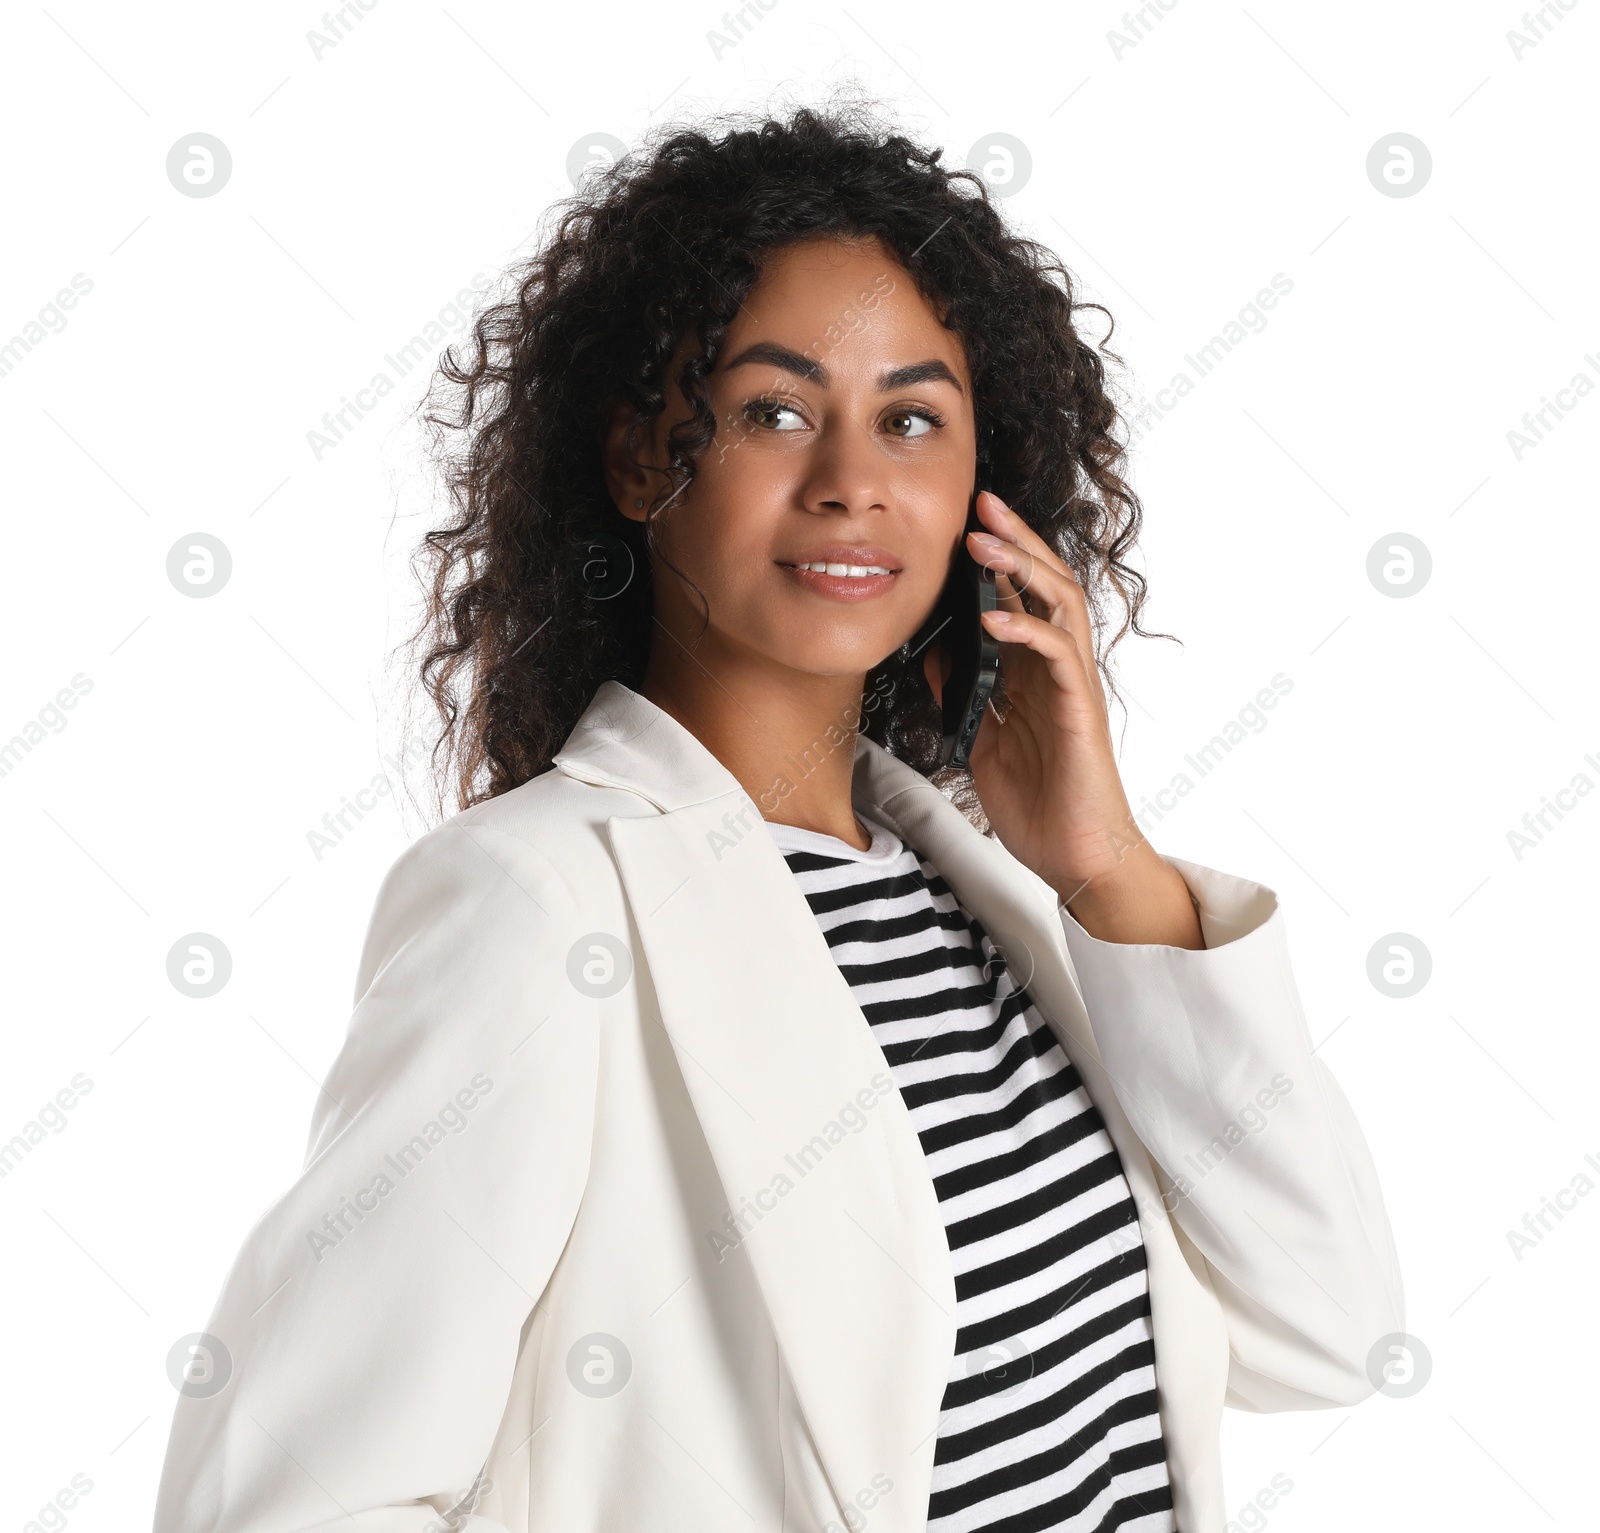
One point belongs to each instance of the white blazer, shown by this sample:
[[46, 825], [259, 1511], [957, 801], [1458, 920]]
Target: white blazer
[[612, 1222]]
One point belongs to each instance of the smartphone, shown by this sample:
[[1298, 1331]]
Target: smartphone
[[956, 626]]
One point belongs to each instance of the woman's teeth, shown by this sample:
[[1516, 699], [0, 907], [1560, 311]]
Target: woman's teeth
[[856, 570]]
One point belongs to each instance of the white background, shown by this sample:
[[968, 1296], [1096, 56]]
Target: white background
[[1176, 177]]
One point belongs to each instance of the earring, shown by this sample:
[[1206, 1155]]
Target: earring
[[638, 505]]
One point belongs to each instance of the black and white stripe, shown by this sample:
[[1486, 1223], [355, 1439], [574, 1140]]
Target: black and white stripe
[[1049, 1418]]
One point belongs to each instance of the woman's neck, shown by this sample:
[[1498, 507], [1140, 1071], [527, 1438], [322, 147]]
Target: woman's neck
[[789, 738]]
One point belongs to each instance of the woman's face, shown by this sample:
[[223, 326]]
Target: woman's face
[[823, 518]]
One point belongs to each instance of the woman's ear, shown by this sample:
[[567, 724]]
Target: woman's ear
[[628, 482]]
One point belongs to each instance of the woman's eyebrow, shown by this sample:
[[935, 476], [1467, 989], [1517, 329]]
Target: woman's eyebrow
[[802, 366], [782, 356], [919, 372]]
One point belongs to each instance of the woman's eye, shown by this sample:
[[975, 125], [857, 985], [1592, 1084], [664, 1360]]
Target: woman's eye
[[773, 415], [910, 423]]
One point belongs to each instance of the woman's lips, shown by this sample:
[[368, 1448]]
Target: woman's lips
[[840, 586], [844, 571]]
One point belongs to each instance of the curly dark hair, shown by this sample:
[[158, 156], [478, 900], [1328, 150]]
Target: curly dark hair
[[524, 617]]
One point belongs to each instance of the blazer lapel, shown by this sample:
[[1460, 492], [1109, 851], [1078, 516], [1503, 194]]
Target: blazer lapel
[[829, 1196]]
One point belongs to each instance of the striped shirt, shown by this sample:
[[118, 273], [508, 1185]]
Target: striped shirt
[[1048, 1421]]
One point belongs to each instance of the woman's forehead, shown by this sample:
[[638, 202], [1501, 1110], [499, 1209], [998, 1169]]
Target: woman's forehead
[[844, 299]]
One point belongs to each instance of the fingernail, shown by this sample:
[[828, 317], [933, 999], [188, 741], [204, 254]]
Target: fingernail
[[997, 616], [988, 539]]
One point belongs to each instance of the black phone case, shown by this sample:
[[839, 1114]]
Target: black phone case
[[956, 626]]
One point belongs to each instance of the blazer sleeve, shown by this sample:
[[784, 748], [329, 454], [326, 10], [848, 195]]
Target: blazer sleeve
[[1268, 1179], [358, 1362]]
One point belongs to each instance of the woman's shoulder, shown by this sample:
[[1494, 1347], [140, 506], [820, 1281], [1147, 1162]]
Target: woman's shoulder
[[534, 858], [553, 819]]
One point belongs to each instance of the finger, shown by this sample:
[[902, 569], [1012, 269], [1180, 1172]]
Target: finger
[[1052, 593], [992, 554], [999, 519], [1008, 594], [1032, 565], [1065, 660], [1062, 608], [1008, 543]]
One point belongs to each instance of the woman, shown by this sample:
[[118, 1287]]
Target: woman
[[732, 1132]]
